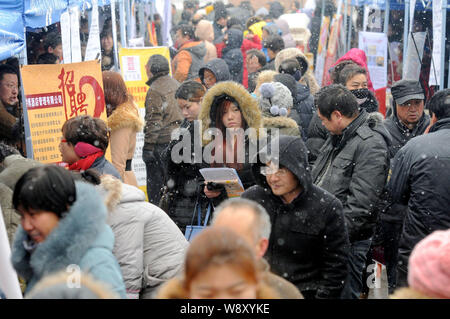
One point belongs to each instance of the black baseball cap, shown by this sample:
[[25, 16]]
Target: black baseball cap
[[405, 90]]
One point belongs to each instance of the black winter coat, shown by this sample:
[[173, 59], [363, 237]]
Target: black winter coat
[[304, 104], [389, 211], [232, 55], [354, 167], [421, 179], [317, 135], [184, 180], [309, 243]]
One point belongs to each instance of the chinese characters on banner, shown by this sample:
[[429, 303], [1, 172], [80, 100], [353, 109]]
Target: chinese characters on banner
[[132, 66], [55, 93]]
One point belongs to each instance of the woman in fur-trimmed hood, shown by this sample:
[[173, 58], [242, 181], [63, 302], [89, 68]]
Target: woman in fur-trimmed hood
[[307, 78], [124, 122], [228, 105], [63, 224]]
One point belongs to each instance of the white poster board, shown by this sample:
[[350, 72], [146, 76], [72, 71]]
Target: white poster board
[[374, 44], [9, 284]]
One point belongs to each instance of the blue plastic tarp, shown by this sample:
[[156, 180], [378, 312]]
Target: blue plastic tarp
[[15, 15], [11, 28]]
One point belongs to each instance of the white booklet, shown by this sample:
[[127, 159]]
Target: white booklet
[[226, 176]]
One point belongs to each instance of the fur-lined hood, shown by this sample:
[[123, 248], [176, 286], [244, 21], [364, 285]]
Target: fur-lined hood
[[279, 122], [55, 287], [124, 116], [174, 289], [308, 78], [83, 227], [111, 190], [408, 293], [247, 104]]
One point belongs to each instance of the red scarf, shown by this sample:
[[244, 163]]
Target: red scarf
[[85, 163]]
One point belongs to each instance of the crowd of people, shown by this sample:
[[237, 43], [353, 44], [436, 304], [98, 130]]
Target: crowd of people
[[328, 180]]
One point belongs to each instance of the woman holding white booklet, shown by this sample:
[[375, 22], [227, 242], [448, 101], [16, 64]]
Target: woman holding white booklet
[[231, 120]]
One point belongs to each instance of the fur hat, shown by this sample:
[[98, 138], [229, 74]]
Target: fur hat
[[429, 265], [275, 99]]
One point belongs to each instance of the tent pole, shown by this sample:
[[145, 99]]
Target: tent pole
[[444, 27], [405, 31], [386, 16]]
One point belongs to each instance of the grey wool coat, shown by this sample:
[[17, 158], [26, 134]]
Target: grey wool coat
[[149, 247]]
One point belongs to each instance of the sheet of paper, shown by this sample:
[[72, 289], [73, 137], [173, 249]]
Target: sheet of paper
[[226, 176]]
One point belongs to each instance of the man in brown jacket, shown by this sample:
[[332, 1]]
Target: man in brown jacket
[[251, 221], [162, 116]]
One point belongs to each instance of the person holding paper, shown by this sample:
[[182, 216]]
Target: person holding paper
[[227, 111]]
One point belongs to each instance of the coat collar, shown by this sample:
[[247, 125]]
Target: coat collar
[[124, 116], [440, 125], [68, 242]]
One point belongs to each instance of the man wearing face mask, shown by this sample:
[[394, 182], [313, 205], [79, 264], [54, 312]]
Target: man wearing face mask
[[10, 125]]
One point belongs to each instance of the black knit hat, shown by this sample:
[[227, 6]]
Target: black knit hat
[[158, 64]]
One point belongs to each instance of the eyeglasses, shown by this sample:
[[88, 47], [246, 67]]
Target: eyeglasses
[[279, 172]]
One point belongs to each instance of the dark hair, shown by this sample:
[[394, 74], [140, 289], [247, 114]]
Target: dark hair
[[7, 69], [291, 67], [187, 30], [259, 54], [297, 4], [248, 6], [439, 104], [348, 72], [186, 16], [52, 39], [337, 69], [220, 103], [274, 43], [47, 58], [115, 90], [251, 21], [6, 150], [49, 187], [88, 129], [234, 21], [336, 97], [188, 4], [190, 91]]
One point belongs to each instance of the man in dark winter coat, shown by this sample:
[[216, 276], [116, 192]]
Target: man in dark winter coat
[[213, 72], [162, 116], [353, 165], [421, 180], [232, 54], [408, 121], [309, 243], [220, 20]]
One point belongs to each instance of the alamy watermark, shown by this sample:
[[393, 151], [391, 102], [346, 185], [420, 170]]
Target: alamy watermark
[[260, 139], [74, 279]]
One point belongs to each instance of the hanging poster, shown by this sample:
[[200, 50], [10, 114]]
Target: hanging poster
[[322, 50], [375, 45], [62, 92]]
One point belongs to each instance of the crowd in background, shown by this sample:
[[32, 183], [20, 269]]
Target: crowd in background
[[347, 183]]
